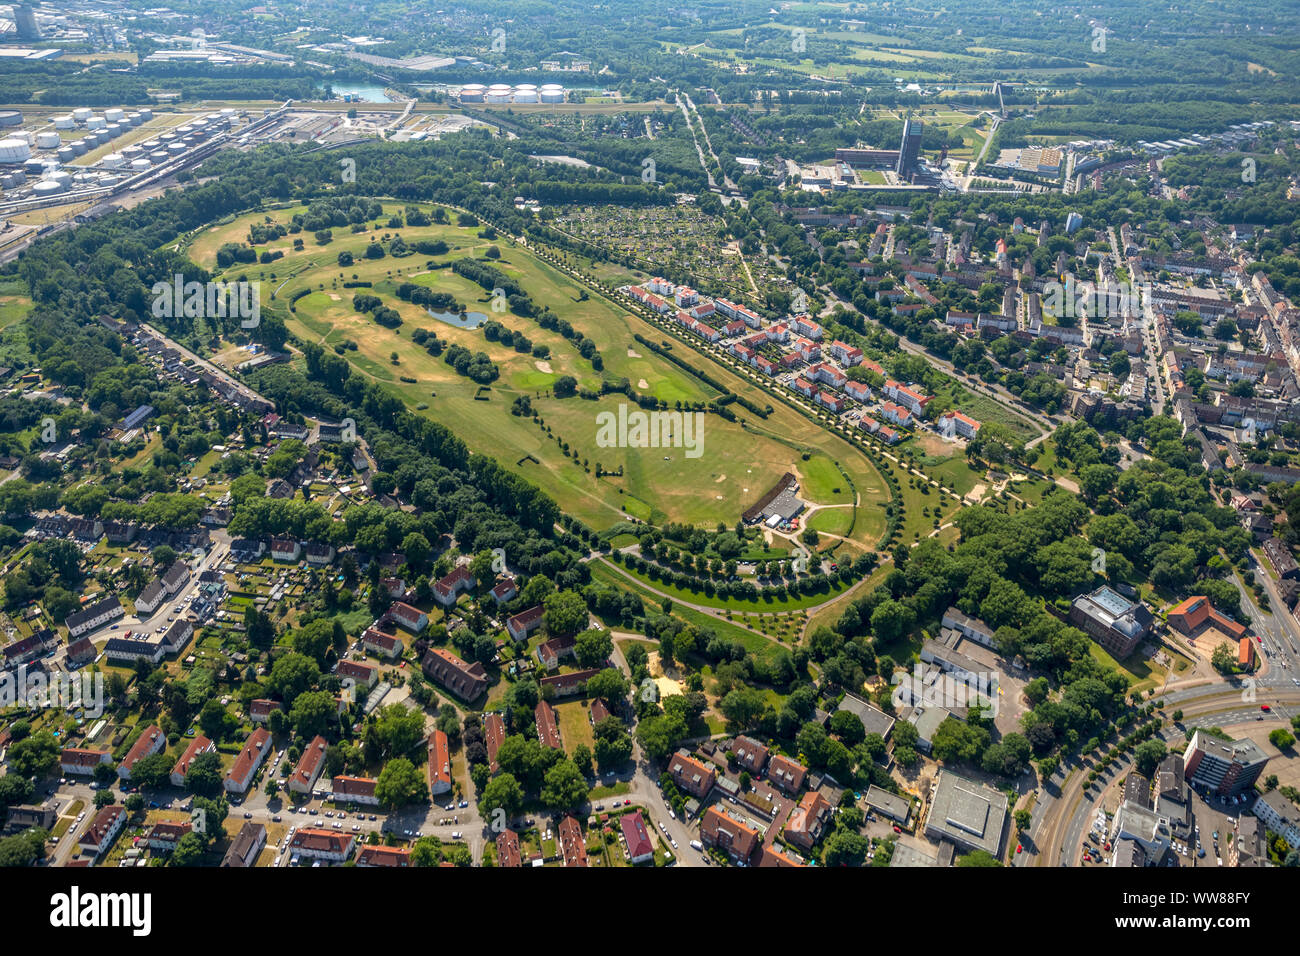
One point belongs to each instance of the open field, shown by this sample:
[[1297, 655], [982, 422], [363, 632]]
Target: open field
[[556, 448]]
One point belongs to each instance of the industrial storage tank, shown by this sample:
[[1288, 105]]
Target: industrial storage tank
[[48, 140], [139, 164], [115, 115], [525, 93], [167, 137], [14, 151], [146, 114], [133, 119], [96, 122], [48, 187], [498, 93], [34, 166], [113, 161], [66, 155], [472, 93], [79, 147], [552, 93], [176, 148], [132, 152], [60, 176], [81, 114], [11, 118], [63, 122], [158, 156], [151, 144]]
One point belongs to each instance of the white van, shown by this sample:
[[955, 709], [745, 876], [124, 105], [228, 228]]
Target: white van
[[697, 845]]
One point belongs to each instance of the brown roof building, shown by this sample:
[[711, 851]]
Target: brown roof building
[[572, 846], [466, 681], [786, 773], [508, 854], [548, 728], [750, 754], [718, 829], [691, 775]]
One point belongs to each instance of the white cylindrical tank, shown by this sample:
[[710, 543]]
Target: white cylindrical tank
[[498, 93], [115, 115], [64, 122], [11, 118], [472, 93], [132, 152], [158, 156], [113, 161], [133, 119], [66, 155], [139, 164], [167, 137], [14, 151], [48, 140], [176, 149], [47, 187], [526, 93], [151, 144], [79, 147], [552, 93], [81, 114], [96, 122], [146, 114]]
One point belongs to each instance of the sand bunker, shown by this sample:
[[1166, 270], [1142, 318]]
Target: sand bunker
[[543, 366]]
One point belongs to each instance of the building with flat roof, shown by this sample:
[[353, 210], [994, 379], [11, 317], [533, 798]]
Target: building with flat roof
[[1225, 766], [1112, 620], [874, 720], [1280, 815], [969, 814], [888, 804]]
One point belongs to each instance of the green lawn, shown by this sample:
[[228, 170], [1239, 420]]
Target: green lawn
[[739, 461]]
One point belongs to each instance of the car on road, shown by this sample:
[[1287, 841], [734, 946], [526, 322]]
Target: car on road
[[247, 815], [897, 828], [455, 834], [1265, 707], [373, 817]]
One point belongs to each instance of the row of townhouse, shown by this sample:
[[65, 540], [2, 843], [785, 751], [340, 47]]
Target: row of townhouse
[[883, 432], [162, 588]]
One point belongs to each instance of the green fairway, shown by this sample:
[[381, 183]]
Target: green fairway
[[556, 446]]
